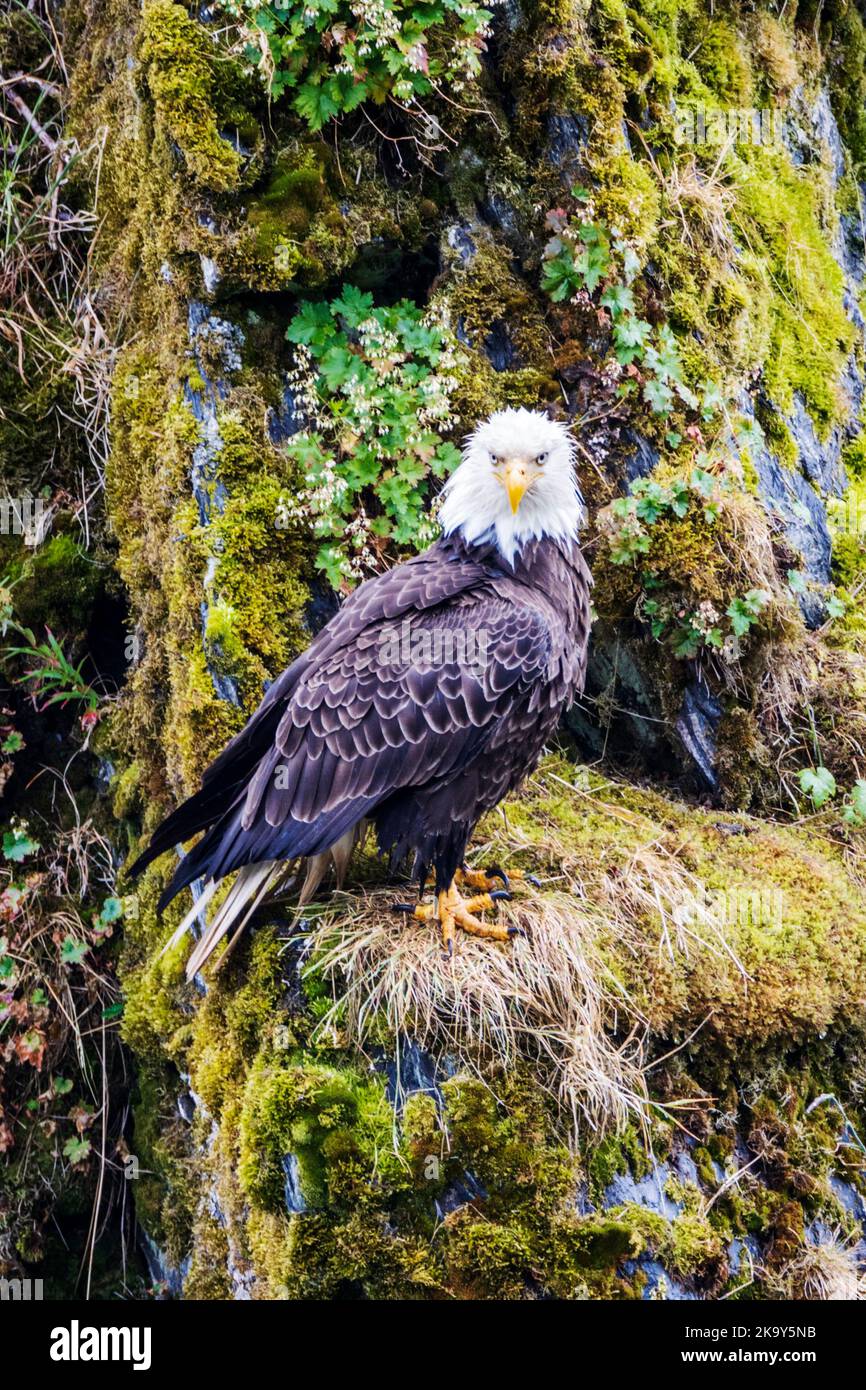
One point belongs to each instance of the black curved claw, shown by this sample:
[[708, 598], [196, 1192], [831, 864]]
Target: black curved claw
[[530, 878], [403, 907], [496, 872], [501, 895], [517, 931], [448, 950]]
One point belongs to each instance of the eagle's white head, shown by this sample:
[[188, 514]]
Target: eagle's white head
[[516, 483]]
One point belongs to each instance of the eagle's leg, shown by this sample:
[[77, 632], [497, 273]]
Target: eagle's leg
[[450, 910], [486, 879]]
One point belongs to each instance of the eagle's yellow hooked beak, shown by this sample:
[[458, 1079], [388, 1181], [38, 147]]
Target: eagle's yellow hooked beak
[[517, 476]]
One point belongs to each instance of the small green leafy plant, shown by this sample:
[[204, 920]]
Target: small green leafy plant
[[819, 784], [46, 951], [50, 673], [334, 55], [55, 681], [372, 388], [686, 629], [583, 259]]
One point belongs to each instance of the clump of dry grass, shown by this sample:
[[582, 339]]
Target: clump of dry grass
[[50, 325], [829, 1272], [556, 998], [701, 203], [549, 998]]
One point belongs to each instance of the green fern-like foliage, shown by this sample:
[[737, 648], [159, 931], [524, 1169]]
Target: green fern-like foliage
[[373, 389], [334, 55]]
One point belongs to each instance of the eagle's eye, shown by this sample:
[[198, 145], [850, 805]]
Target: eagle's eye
[[542, 457], [494, 459]]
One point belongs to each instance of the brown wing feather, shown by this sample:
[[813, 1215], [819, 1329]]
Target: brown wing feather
[[351, 722]]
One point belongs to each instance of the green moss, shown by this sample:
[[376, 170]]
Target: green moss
[[627, 198], [778, 212], [125, 790], [485, 302], [618, 1153], [208, 1277], [487, 1259], [723, 62], [167, 1190], [306, 224], [779, 439], [313, 1112], [847, 74], [56, 587], [693, 1245], [178, 60]]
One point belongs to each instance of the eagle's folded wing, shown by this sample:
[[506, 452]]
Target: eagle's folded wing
[[424, 582], [389, 707]]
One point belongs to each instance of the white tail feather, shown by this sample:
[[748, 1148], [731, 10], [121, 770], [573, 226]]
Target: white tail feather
[[249, 889], [198, 906], [245, 886]]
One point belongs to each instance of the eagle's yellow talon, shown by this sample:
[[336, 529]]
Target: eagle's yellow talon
[[474, 878], [451, 911], [473, 927], [422, 912], [482, 902], [486, 880], [446, 912]]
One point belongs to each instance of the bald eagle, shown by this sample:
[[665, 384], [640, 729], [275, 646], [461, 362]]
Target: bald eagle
[[423, 702]]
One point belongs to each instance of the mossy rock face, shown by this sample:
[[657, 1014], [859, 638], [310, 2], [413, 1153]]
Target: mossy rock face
[[182, 75], [280, 1156], [329, 1188]]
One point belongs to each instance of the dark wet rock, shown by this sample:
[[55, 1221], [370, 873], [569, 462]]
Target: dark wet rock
[[809, 132], [410, 1071], [660, 1283], [642, 458], [821, 460], [615, 676], [225, 687], [460, 239], [232, 138], [649, 1191], [697, 727], [849, 1197], [459, 1194], [105, 773], [582, 1205], [499, 213], [224, 341], [566, 140], [163, 1274], [798, 509], [283, 420], [853, 255], [322, 606], [499, 349], [743, 1254], [685, 1167], [186, 1106], [210, 274], [294, 1196]]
